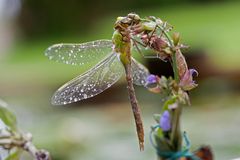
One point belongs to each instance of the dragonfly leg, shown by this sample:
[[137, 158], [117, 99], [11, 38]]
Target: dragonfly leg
[[165, 27], [157, 26], [153, 32], [136, 43]]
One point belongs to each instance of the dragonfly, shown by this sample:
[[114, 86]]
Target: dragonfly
[[116, 61]]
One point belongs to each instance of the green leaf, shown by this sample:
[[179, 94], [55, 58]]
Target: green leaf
[[7, 116], [159, 133], [15, 155], [170, 101]]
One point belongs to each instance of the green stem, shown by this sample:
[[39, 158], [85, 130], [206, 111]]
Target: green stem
[[176, 136], [174, 58], [175, 69]]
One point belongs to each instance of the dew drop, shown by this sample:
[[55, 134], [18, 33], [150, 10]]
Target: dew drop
[[75, 99], [84, 96]]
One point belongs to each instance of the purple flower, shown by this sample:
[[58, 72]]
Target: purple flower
[[152, 83], [165, 121], [187, 83], [152, 79]]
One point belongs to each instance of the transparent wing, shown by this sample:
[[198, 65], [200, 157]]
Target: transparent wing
[[79, 54], [139, 73], [91, 83]]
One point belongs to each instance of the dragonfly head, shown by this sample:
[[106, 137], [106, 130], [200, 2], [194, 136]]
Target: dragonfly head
[[129, 20], [135, 18]]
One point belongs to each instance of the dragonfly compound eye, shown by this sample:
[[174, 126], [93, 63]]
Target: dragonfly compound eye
[[134, 16], [126, 20]]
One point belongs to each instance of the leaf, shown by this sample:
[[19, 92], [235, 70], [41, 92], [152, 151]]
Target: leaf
[[8, 118], [15, 155], [170, 101]]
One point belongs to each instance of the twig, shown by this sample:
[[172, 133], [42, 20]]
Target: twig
[[24, 141]]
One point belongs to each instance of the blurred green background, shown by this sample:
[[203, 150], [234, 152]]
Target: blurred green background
[[102, 127]]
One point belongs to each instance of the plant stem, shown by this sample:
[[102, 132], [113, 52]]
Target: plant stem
[[175, 69], [24, 142], [37, 154], [176, 136], [174, 59]]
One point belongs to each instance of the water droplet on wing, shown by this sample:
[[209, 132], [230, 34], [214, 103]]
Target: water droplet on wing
[[75, 99]]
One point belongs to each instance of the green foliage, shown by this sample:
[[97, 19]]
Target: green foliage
[[15, 155], [7, 116]]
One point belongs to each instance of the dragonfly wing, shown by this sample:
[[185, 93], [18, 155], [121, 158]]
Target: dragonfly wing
[[90, 83], [139, 73], [79, 54]]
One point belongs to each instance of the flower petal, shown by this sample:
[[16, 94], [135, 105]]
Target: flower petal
[[165, 122], [152, 79], [187, 83]]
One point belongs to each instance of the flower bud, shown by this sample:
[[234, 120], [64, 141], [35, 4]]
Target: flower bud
[[152, 83], [151, 79], [176, 38], [165, 121]]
